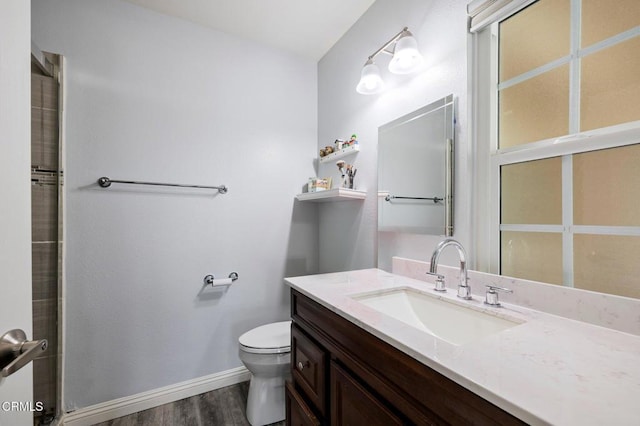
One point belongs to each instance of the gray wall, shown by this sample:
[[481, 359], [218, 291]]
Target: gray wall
[[155, 98], [348, 230]]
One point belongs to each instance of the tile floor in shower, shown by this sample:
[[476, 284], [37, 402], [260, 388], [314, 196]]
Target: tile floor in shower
[[221, 407]]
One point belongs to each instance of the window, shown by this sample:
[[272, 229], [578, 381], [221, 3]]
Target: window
[[563, 143]]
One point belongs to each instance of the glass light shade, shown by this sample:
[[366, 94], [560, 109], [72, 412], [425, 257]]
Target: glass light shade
[[406, 58], [370, 80]]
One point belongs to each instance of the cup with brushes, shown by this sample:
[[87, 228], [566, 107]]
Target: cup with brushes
[[348, 173]]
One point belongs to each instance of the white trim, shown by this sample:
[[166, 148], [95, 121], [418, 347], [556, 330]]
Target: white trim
[[531, 228], [575, 66], [626, 231], [494, 103], [494, 171], [567, 220], [474, 7], [498, 10], [472, 125], [535, 72], [576, 53], [609, 137], [143, 401], [494, 236], [611, 41]]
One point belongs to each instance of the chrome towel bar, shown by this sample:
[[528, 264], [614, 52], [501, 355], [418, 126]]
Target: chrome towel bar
[[106, 182], [393, 197]]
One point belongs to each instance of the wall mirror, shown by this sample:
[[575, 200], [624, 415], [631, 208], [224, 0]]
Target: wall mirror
[[415, 171]]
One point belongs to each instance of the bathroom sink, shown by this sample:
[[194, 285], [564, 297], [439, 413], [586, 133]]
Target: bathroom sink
[[446, 320]]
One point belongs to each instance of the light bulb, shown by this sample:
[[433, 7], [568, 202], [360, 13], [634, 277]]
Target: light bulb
[[370, 79], [406, 57]]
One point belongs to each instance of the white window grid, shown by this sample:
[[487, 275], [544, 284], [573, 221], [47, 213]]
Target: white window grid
[[574, 143]]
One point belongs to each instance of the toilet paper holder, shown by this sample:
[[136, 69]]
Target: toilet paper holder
[[211, 280]]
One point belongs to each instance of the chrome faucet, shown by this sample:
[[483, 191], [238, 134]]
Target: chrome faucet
[[464, 289]]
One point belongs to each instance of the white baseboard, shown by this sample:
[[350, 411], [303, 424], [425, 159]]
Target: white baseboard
[[143, 401]]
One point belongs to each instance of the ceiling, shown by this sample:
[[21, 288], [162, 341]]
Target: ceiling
[[305, 27]]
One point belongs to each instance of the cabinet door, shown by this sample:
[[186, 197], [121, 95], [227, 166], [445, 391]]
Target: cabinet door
[[309, 363], [298, 414], [352, 404]]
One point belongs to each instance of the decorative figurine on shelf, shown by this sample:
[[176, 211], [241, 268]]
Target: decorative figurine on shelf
[[339, 144], [323, 152], [353, 141], [328, 149], [348, 173]]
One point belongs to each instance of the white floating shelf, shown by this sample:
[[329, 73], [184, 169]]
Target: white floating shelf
[[336, 194], [339, 154]]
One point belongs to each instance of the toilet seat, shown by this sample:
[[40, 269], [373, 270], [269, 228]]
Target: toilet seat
[[274, 338]]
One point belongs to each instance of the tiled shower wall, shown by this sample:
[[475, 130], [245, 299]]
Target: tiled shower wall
[[46, 244]]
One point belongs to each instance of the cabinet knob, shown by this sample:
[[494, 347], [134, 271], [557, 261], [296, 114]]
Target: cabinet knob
[[302, 365]]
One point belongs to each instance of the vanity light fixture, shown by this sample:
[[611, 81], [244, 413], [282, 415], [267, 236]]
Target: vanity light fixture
[[406, 59], [370, 79]]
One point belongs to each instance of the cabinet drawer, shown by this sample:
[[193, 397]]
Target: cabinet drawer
[[298, 414], [352, 404], [309, 365]]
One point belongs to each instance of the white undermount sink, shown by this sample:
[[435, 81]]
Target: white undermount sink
[[446, 320]]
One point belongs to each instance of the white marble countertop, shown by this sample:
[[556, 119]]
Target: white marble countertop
[[547, 370]]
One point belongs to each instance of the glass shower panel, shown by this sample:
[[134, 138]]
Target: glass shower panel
[[610, 87]]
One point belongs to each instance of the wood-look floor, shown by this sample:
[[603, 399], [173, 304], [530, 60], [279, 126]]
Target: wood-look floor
[[221, 407]]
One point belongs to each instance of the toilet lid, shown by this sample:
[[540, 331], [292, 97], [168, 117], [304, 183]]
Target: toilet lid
[[268, 338]]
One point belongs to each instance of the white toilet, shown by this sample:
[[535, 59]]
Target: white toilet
[[266, 352]]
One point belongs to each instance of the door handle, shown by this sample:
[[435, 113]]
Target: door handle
[[16, 351]]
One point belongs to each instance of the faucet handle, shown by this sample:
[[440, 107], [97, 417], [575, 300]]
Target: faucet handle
[[491, 297], [439, 281]]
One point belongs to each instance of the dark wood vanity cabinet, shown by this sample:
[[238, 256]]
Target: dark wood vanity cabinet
[[298, 412], [343, 375], [352, 404]]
